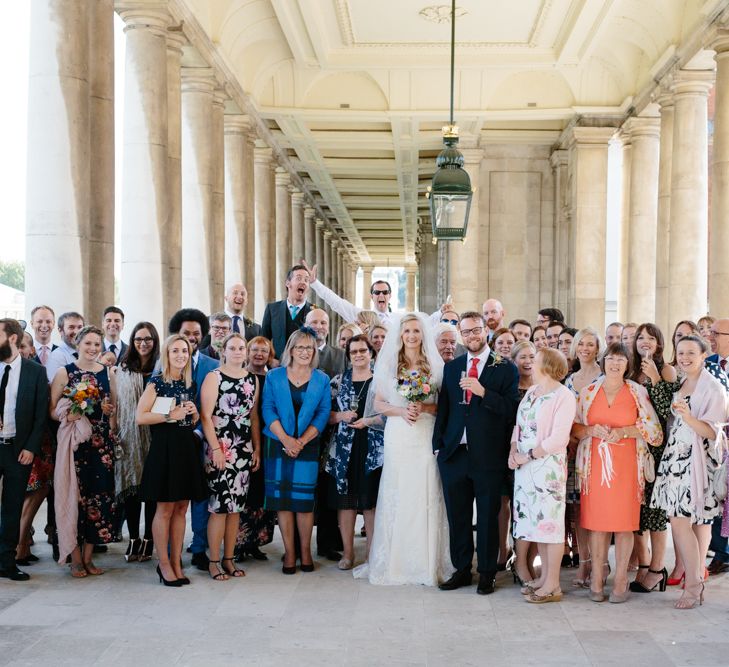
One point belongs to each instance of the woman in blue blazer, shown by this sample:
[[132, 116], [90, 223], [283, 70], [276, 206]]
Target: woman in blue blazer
[[296, 404]]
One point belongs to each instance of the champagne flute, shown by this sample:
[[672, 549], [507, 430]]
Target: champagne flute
[[184, 398], [463, 399]]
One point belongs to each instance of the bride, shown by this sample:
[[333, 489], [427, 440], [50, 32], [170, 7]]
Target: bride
[[410, 541]]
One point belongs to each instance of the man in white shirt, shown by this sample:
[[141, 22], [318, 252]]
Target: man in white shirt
[[112, 324], [23, 416], [236, 300], [43, 321], [69, 324]]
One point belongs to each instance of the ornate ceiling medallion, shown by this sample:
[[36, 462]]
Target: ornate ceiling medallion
[[440, 13]]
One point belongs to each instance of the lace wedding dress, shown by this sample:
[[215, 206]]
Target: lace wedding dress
[[410, 542]]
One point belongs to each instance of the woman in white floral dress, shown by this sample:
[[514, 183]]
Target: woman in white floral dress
[[539, 458]]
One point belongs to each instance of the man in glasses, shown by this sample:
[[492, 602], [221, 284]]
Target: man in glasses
[[221, 325]]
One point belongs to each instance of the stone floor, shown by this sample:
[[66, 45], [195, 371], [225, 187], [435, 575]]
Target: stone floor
[[327, 618]]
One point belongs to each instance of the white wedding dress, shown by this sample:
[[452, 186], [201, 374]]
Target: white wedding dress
[[410, 544]]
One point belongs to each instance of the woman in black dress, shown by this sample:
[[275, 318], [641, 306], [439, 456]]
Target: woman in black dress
[[356, 450], [173, 473]]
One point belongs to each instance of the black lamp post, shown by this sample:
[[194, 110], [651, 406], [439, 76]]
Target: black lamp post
[[450, 192]]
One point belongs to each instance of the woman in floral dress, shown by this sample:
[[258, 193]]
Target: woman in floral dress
[[539, 458], [232, 432], [93, 459]]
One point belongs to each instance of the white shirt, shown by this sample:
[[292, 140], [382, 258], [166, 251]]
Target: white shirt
[[349, 311], [11, 395], [40, 346], [117, 346], [60, 357], [482, 358]]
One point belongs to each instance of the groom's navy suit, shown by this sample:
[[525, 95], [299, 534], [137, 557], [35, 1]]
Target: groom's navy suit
[[478, 467]]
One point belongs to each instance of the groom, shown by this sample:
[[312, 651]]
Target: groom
[[472, 432]]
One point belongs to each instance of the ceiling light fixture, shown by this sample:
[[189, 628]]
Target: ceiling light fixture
[[450, 192]]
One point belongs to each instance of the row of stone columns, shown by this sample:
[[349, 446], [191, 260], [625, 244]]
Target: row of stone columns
[[204, 203]]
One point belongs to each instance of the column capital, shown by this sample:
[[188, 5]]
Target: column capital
[[297, 197], [176, 39], [319, 223], [237, 123], [693, 82], [262, 155], [591, 135], [283, 178], [559, 158], [149, 14], [642, 126], [663, 96], [328, 234], [197, 80], [308, 213], [219, 97], [720, 43], [411, 270]]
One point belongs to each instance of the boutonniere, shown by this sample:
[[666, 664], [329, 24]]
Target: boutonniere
[[496, 359]]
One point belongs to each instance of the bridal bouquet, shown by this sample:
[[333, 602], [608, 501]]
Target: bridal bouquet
[[83, 395], [414, 387]]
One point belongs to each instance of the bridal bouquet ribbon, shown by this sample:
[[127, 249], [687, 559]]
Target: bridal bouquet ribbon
[[83, 395], [414, 387]]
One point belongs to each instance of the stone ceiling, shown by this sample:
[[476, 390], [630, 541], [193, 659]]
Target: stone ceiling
[[355, 91]]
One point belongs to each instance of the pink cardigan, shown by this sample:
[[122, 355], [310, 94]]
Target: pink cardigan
[[554, 420]]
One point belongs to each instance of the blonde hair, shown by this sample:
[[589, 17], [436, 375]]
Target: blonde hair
[[522, 345], [348, 326], [164, 360], [402, 363], [303, 336], [588, 331], [369, 318], [553, 363], [227, 339]]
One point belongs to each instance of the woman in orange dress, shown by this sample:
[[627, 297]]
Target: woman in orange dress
[[615, 423]]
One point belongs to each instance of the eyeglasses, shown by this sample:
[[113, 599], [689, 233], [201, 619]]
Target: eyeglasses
[[718, 333], [303, 348], [215, 327], [447, 321], [145, 339], [377, 292], [475, 331]]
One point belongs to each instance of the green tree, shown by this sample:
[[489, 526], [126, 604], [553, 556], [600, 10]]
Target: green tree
[[12, 274]]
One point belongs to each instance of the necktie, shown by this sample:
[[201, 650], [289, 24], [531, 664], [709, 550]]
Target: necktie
[[112, 348], [722, 363], [43, 354], [294, 312], [236, 323], [472, 373], [3, 387]]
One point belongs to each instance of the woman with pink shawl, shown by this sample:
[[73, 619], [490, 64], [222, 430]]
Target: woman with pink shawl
[[695, 449]]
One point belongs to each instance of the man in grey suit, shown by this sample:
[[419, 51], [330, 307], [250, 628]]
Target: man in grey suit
[[331, 361], [23, 415]]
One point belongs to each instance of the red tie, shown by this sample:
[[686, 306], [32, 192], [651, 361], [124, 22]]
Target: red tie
[[472, 373]]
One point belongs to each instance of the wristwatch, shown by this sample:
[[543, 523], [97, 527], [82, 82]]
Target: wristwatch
[[530, 454]]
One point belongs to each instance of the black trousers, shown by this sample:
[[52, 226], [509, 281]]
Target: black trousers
[[15, 483], [460, 488]]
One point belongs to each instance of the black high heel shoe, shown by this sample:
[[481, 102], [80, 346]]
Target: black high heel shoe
[[639, 587], [175, 583]]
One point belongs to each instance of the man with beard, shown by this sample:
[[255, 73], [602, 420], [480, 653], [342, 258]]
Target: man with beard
[[112, 323], [42, 321], [236, 300], [69, 324], [23, 416], [282, 318], [193, 325], [331, 362], [476, 411], [613, 333], [493, 315]]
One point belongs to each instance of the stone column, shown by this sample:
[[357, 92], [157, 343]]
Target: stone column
[[198, 210], [309, 236], [719, 221], [217, 249], [144, 175], [283, 230], [264, 225], [100, 265], [237, 127], [298, 243], [561, 271], [643, 226], [588, 148], [172, 248], [410, 288], [468, 261], [325, 266], [688, 250], [663, 234], [249, 253], [58, 163], [319, 256], [366, 285], [624, 258], [352, 281]]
